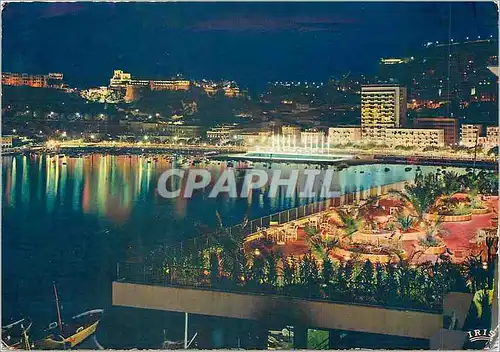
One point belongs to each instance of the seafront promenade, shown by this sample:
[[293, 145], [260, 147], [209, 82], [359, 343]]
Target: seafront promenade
[[237, 152]]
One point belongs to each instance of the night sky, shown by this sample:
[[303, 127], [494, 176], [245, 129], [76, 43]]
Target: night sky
[[251, 43]]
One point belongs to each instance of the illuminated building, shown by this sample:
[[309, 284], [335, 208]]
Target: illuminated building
[[492, 137], [290, 130], [447, 124], [414, 137], [469, 134], [51, 80], [169, 85], [312, 137], [122, 79], [230, 88], [343, 135], [395, 61], [220, 133], [6, 141], [383, 106], [209, 89], [156, 129], [232, 92], [181, 131], [102, 95]]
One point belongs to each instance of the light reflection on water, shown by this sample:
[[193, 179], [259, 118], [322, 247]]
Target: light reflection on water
[[110, 187], [72, 222]]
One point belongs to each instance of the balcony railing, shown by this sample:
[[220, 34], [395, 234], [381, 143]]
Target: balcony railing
[[200, 278]]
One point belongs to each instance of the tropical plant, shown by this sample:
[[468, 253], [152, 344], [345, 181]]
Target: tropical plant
[[493, 151], [483, 300], [350, 223], [381, 287], [476, 275], [422, 195], [431, 231], [460, 209], [272, 268], [451, 181], [289, 270], [477, 203], [365, 279], [309, 269], [327, 271], [405, 221], [321, 246]]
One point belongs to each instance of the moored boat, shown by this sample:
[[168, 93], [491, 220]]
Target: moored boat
[[60, 335], [70, 334], [15, 335]]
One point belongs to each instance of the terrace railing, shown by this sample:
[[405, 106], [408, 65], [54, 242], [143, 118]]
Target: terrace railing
[[199, 278], [297, 213]]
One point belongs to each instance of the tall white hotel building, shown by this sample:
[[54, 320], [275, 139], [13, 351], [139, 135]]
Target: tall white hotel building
[[382, 106]]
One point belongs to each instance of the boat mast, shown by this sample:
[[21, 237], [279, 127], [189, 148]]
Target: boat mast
[[25, 338], [59, 322]]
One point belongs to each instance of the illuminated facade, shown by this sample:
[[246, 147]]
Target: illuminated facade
[[383, 106], [220, 133], [395, 61], [343, 135], [6, 141], [169, 85], [209, 89], [290, 130], [469, 134], [448, 124], [414, 137], [312, 137], [492, 137], [232, 92], [122, 79], [51, 80]]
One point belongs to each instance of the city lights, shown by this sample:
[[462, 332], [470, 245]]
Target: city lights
[[180, 190]]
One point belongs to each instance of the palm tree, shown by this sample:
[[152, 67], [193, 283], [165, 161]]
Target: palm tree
[[431, 231], [367, 211], [350, 222], [230, 247], [451, 181], [475, 274], [321, 246], [483, 300], [421, 196]]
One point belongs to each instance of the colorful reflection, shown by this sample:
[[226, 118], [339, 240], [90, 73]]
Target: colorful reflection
[[112, 186]]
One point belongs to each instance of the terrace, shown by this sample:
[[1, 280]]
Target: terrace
[[341, 264], [377, 249]]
